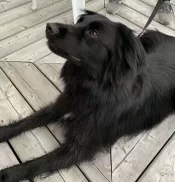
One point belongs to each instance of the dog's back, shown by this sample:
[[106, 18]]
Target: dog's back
[[161, 63], [154, 41], [161, 57]]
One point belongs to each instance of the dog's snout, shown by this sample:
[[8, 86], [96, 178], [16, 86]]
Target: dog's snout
[[56, 29], [52, 28]]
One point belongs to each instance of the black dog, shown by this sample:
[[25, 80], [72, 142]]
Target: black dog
[[115, 85]]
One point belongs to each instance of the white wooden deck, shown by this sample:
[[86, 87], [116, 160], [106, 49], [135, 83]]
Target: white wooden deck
[[29, 79]]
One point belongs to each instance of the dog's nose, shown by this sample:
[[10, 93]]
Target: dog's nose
[[52, 28]]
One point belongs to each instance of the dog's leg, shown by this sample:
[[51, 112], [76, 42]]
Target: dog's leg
[[63, 158], [40, 118]]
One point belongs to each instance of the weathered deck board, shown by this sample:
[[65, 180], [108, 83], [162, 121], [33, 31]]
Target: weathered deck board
[[52, 58], [29, 73], [150, 2], [163, 167], [29, 36], [30, 53], [22, 10], [10, 4], [117, 18], [122, 149], [140, 20], [145, 150], [39, 49], [145, 9], [52, 74], [32, 19], [7, 157]]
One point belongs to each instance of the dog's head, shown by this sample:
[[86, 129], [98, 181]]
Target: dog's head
[[96, 43]]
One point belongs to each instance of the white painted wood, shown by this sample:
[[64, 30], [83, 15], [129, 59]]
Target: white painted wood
[[144, 151], [32, 19], [22, 10], [77, 6], [10, 4], [43, 141], [145, 9], [162, 169], [140, 20], [34, 4]]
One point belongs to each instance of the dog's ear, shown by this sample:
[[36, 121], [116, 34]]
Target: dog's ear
[[84, 13], [133, 52]]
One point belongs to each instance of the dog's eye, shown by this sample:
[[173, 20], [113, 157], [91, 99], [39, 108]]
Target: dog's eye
[[93, 34]]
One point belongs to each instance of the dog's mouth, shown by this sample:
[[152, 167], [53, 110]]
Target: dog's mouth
[[63, 54]]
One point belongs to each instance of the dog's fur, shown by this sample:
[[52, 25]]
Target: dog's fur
[[115, 84]]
